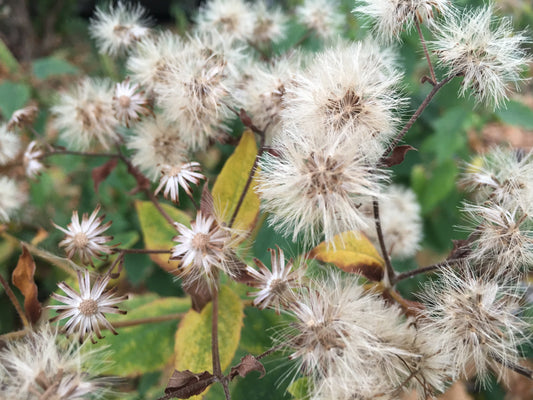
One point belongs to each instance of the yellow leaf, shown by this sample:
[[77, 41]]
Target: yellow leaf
[[351, 252], [157, 232], [231, 182], [193, 338]]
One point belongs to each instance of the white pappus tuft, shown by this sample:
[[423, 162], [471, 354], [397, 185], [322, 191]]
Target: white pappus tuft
[[12, 198], [231, 18], [485, 50], [321, 17], [9, 144], [119, 27], [43, 365], [312, 190], [86, 115], [390, 17], [32, 160], [175, 176], [401, 221]]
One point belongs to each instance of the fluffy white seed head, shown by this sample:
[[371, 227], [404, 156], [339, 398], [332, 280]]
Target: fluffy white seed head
[[9, 145], [478, 321], [43, 365], [485, 50], [388, 18], [503, 238], [269, 23], [315, 190], [12, 198], [118, 28], [350, 342], [196, 94], [503, 176], [321, 17], [86, 115], [401, 222], [156, 143], [262, 94], [349, 90], [233, 19], [149, 62]]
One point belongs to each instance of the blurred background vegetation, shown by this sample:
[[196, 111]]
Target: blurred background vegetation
[[45, 47]]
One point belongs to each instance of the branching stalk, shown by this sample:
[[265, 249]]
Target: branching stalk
[[390, 273], [15, 302]]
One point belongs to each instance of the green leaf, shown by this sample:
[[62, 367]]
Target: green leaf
[[450, 134], [44, 68], [516, 113], [12, 97], [157, 232], [231, 182], [143, 348], [7, 58], [352, 252], [193, 337], [300, 389], [439, 185]]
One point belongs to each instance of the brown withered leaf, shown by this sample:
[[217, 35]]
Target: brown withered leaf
[[22, 278], [184, 384], [248, 364], [199, 293], [398, 155], [100, 173]]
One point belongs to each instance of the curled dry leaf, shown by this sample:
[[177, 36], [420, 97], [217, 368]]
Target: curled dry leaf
[[100, 173], [23, 279], [185, 384], [248, 364], [397, 155]]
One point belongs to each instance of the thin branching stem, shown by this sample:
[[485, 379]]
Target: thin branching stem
[[426, 52], [391, 274], [425, 270], [141, 251], [78, 153], [217, 370], [15, 302], [438, 86], [149, 320], [519, 369]]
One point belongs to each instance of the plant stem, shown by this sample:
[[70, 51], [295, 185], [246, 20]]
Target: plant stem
[[431, 70], [140, 251], [248, 182], [423, 270], [417, 114], [15, 302], [78, 153], [390, 273], [514, 367], [150, 320], [269, 351], [217, 370], [157, 205]]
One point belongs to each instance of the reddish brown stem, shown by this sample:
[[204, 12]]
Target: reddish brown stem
[[391, 274], [431, 70]]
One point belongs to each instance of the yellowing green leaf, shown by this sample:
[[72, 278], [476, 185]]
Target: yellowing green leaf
[[231, 182], [148, 347], [157, 232], [193, 338], [351, 252]]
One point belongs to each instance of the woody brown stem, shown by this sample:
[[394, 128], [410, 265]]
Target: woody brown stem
[[15, 302], [422, 40], [390, 273], [217, 370]]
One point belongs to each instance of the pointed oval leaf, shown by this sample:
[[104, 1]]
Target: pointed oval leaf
[[231, 182], [352, 252], [148, 347], [193, 338], [157, 232], [23, 279]]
